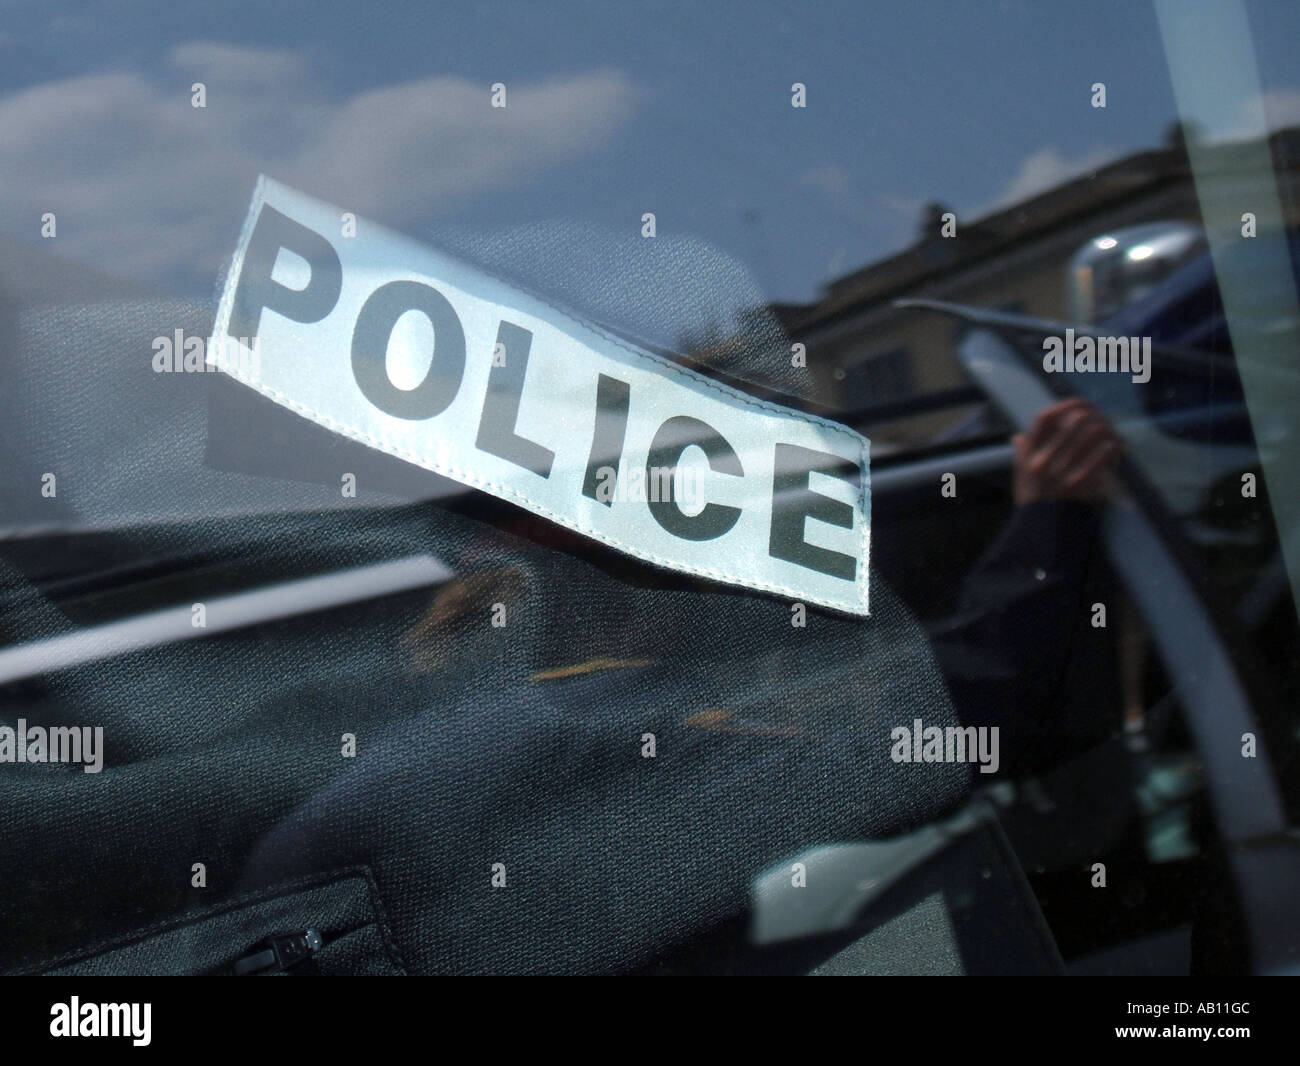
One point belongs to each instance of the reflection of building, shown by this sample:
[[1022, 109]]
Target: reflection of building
[[867, 353]]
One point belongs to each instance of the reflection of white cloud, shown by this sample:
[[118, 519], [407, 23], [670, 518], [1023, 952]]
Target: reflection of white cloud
[[832, 181], [227, 64], [908, 207], [442, 130], [1261, 115], [830, 178], [1042, 170], [141, 180], [1046, 169], [1281, 108]]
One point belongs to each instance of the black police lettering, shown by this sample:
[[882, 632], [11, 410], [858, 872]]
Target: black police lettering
[[793, 501], [375, 322], [256, 289], [674, 437], [496, 428], [607, 437]]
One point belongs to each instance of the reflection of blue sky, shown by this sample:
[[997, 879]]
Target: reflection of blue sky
[[680, 109]]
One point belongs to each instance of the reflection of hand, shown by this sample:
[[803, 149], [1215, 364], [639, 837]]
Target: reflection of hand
[[1069, 453]]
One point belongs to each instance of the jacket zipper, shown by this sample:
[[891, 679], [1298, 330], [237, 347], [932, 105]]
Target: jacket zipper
[[279, 953]]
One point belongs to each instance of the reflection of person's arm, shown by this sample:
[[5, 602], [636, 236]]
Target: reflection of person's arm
[[1022, 612], [1024, 608]]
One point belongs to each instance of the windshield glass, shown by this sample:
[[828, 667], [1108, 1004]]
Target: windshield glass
[[454, 437]]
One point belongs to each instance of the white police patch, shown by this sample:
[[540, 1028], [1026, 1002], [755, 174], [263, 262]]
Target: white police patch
[[388, 342]]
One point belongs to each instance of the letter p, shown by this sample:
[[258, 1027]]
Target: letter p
[[257, 291]]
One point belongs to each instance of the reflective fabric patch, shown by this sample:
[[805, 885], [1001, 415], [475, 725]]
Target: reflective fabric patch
[[386, 341]]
